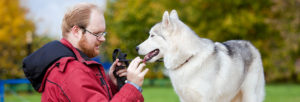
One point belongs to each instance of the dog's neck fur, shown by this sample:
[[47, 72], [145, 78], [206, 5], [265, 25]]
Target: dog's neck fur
[[179, 54], [183, 63]]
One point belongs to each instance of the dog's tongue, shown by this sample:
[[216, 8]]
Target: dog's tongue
[[146, 58], [150, 55]]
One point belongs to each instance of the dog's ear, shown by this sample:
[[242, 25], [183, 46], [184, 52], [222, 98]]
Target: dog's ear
[[166, 19], [174, 15]]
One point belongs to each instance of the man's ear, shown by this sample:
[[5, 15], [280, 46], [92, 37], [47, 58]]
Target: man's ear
[[75, 31], [166, 20]]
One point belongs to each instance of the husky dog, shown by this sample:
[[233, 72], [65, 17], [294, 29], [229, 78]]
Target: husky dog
[[201, 70]]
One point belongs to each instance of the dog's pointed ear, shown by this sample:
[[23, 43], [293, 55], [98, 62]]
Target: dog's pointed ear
[[166, 19], [174, 14]]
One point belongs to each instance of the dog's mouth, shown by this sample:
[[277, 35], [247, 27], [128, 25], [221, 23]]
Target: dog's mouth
[[150, 55]]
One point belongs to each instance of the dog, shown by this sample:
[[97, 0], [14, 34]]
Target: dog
[[202, 70]]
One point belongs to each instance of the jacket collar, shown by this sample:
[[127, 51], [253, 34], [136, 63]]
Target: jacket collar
[[84, 56], [80, 56], [70, 46]]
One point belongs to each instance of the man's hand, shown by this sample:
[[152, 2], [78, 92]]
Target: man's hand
[[121, 72], [135, 73]]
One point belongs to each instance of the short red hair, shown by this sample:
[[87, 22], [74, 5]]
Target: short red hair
[[78, 15]]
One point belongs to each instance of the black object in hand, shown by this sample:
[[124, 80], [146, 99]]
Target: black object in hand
[[117, 54]]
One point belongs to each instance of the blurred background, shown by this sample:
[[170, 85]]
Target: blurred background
[[273, 26]]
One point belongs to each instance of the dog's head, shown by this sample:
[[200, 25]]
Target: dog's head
[[159, 40]]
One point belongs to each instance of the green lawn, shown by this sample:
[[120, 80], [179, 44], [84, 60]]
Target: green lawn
[[275, 93], [283, 93], [159, 94]]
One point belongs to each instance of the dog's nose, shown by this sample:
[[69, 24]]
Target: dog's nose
[[137, 49]]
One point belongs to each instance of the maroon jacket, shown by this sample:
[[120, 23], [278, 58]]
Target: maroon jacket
[[64, 74]]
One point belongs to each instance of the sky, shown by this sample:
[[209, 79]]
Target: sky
[[48, 14]]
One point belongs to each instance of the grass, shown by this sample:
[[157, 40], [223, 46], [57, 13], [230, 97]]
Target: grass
[[274, 93], [159, 94], [283, 93], [22, 97]]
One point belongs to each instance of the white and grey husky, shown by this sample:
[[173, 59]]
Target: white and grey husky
[[204, 71]]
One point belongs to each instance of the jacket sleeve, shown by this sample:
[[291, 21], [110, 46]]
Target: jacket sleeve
[[131, 94], [84, 87], [113, 87]]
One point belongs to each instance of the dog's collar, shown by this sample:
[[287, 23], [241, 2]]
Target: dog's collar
[[184, 62]]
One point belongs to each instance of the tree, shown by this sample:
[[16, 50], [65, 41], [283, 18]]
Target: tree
[[285, 16], [129, 22], [273, 30], [13, 28]]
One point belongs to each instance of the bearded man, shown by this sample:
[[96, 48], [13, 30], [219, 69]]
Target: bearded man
[[63, 71]]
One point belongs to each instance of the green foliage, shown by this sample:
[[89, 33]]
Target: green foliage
[[13, 45], [284, 16], [272, 29], [13, 28]]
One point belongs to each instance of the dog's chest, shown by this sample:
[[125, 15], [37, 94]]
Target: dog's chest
[[182, 79], [191, 81], [186, 89]]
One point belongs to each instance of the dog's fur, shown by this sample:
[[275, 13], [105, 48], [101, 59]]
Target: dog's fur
[[204, 71]]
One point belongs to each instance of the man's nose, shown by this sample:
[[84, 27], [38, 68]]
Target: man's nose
[[102, 39], [137, 49]]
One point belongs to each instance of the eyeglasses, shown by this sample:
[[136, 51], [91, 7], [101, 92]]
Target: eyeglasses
[[98, 36]]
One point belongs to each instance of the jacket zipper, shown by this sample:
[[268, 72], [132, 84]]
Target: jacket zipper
[[103, 81]]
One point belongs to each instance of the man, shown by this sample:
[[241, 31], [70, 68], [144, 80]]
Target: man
[[62, 70]]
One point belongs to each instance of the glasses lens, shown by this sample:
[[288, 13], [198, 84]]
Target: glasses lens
[[103, 34]]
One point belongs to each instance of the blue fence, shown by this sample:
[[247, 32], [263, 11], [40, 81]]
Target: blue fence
[[106, 64], [10, 81]]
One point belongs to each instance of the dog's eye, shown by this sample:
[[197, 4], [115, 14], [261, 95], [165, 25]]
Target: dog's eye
[[151, 35]]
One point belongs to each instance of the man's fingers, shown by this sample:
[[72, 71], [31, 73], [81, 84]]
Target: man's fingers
[[133, 65], [116, 61], [141, 66], [114, 64], [120, 63], [123, 74], [144, 72], [121, 71]]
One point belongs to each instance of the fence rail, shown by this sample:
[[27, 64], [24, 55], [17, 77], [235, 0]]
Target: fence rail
[[10, 81]]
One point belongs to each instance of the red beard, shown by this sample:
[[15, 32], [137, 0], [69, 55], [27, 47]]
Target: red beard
[[86, 48]]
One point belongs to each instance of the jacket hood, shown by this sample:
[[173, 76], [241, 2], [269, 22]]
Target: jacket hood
[[36, 64]]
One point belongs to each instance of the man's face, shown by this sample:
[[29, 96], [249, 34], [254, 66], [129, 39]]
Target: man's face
[[89, 43]]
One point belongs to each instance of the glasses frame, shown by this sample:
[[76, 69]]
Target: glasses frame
[[98, 36]]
